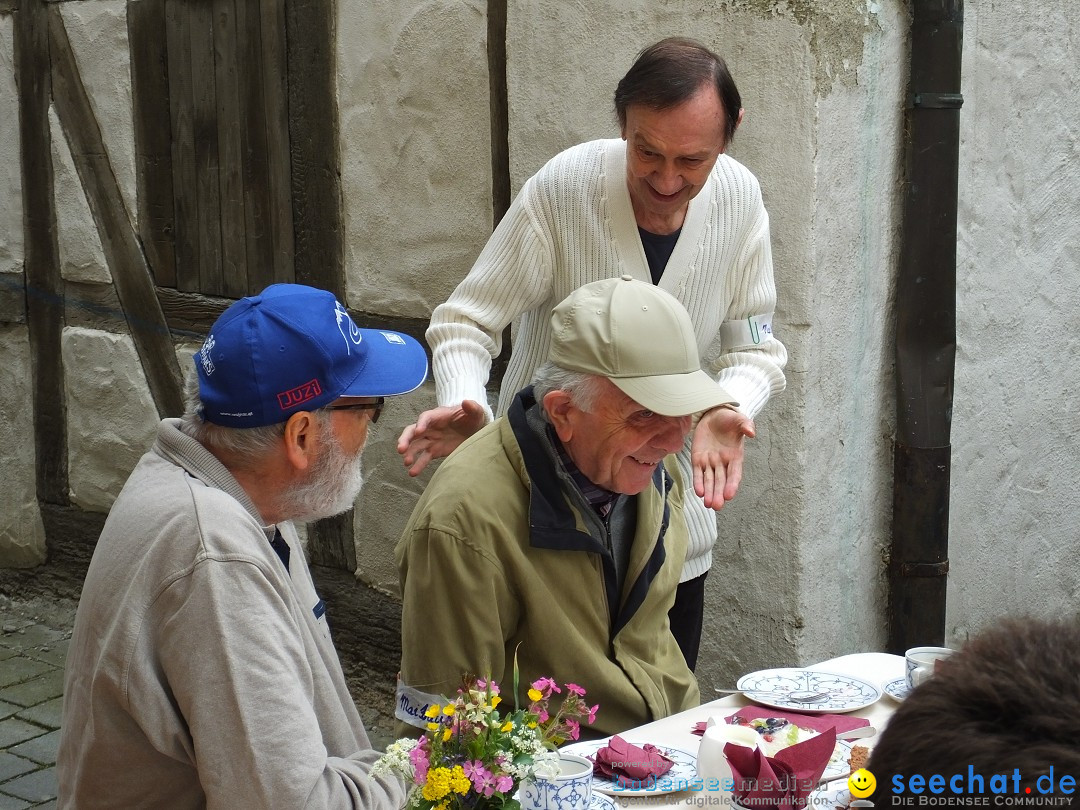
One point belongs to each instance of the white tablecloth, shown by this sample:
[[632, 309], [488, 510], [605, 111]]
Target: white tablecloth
[[677, 731]]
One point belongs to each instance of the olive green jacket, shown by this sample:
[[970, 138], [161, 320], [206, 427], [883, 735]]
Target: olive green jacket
[[503, 554]]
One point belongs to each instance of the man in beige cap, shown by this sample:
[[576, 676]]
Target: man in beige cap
[[665, 202], [555, 536]]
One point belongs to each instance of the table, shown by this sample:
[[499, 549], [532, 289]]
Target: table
[[676, 731]]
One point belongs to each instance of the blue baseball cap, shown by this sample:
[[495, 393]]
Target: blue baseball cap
[[294, 348]]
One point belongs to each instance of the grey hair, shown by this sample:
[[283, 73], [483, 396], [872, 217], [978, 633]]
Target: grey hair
[[246, 446], [584, 389]]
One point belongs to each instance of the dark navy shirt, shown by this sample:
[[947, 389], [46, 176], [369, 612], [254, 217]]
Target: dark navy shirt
[[658, 250]]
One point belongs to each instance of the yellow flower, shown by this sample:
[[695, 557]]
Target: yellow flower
[[508, 726], [448, 710], [432, 710], [532, 724], [437, 784], [535, 695], [446, 734], [495, 701], [433, 726], [459, 782]]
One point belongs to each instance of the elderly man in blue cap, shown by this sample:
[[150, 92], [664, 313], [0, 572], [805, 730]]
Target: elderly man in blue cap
[[201, 671]]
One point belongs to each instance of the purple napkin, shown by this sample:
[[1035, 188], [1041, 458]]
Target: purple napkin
[[629, 765], [782, 782]]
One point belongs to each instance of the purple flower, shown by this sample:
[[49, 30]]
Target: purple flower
[[418, 756], [483, 780], [489, 685], [503, 783], [546, 686], [574, 689]]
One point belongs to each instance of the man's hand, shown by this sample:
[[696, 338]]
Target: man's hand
[[437, 432], [716, 454]]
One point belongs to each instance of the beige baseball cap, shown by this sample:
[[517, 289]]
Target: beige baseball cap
[[640, 338]]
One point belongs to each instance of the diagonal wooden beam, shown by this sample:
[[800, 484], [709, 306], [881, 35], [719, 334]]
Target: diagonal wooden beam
[[130, 272], [44, 286]]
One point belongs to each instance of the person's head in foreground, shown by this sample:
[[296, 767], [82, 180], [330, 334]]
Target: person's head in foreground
[[622, 381], [1000, 718], [201, 670], [555, 537], [678, 109], [286, 389]]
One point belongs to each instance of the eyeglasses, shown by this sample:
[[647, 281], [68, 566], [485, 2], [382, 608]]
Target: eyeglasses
[[375, 407]]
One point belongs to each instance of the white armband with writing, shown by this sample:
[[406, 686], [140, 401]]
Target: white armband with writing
[[742, 334], [411, 704]]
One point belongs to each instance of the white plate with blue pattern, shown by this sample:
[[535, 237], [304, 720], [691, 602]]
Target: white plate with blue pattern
[[897, 688], [808, 690]]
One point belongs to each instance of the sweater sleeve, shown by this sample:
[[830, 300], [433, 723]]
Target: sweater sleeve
[[236, 667], [511, 275], [747, 359]]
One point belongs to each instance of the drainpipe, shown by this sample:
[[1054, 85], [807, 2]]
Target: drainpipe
[[926, 329]]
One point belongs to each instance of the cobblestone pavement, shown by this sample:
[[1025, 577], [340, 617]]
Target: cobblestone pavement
[[33, 642]]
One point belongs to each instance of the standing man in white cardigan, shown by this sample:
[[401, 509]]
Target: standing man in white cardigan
[[663, 203]]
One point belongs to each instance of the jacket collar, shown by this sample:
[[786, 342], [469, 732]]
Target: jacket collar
[[185, 452], [553, 524]]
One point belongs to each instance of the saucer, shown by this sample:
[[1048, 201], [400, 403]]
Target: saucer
[[681, 776], [897, 689]]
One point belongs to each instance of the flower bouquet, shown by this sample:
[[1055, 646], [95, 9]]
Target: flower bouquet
[[473, 757]]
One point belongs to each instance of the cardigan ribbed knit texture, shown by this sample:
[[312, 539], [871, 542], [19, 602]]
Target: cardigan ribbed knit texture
[[573, 223]]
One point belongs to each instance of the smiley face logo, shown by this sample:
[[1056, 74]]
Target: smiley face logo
[[861, 783]]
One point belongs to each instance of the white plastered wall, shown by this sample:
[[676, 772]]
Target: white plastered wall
[[412, 83], [848, 392], [415, 158], [1015, 493]]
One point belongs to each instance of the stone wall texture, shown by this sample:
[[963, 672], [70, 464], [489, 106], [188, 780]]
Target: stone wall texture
[[110, 416], [799, 572]]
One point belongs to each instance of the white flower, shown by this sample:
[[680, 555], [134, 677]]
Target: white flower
[[546, 764], [396, 759]]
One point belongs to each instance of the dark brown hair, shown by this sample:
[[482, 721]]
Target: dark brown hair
[[1010, 699], [670, 72]]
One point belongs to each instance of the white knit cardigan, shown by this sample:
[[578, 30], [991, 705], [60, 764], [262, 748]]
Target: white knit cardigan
[[573, 223]]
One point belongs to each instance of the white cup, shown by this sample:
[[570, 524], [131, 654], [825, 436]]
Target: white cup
[[919, 663], [712, 766], [571, 789]]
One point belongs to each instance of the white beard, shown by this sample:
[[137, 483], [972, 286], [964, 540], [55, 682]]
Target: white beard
[[332, 487]]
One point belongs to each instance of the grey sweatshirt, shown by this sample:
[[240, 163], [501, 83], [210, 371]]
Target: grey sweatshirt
[[201, 672]]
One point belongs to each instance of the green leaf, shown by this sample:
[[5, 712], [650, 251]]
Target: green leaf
[[516, 676]]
